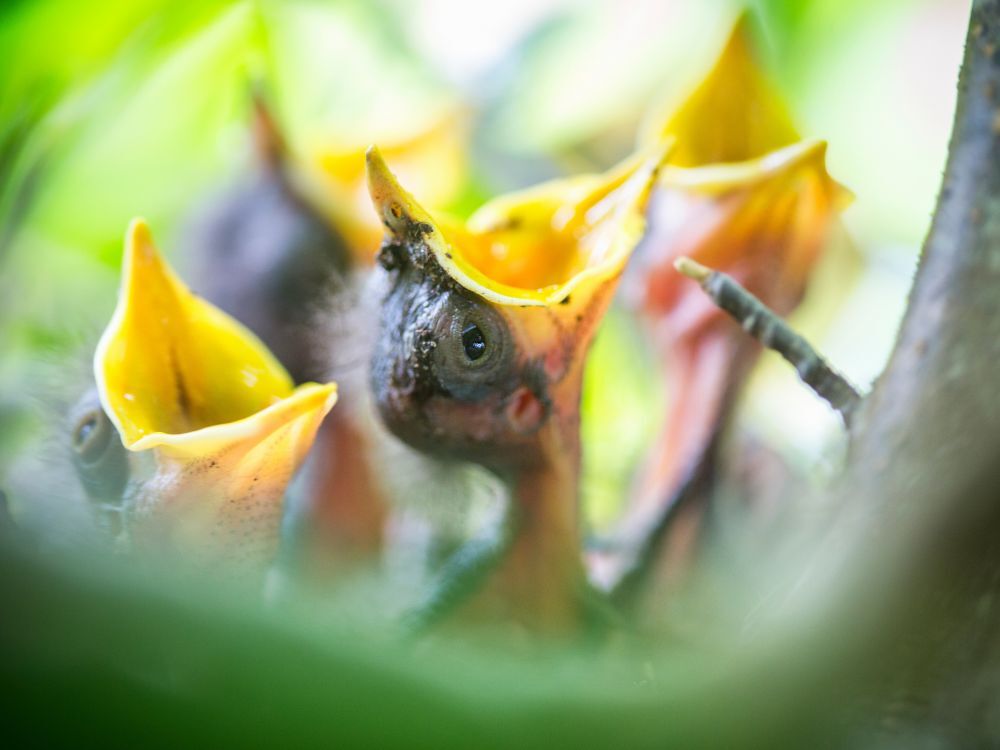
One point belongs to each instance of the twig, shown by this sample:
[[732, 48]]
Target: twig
[[774, 333]]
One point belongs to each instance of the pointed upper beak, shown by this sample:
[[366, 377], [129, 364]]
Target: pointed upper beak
[[180, 378], [742, 192], [398, 211], [534, 248], [170, 364]]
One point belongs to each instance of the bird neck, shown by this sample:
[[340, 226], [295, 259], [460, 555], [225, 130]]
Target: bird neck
[[542, 575]]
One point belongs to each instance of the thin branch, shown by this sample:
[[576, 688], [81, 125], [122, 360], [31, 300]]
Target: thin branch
[[774, 333]]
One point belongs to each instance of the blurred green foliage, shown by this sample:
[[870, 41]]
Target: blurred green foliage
[[96, 656]]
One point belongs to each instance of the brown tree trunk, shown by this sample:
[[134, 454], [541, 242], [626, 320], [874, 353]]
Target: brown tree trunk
[[934, 414], [921, 499]]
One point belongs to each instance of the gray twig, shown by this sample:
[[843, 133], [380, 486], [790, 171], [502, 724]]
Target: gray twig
[[770, 330]]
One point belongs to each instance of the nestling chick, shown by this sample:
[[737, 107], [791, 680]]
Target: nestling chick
[[741, 193], [483, 336], [182, 383]]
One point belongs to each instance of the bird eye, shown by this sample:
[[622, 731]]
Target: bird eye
[[473, 347], [100, 459], [473, 342]]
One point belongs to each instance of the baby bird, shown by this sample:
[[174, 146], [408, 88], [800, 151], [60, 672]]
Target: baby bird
[[482, 340], [742, 193], [195, 429], [273, 253]]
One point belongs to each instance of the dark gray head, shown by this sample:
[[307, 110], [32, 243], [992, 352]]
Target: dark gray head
[[448, 373]]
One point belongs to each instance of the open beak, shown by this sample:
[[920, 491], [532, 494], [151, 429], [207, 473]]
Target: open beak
[[181, 379], [742, 193], [548, 258], [546, 261]]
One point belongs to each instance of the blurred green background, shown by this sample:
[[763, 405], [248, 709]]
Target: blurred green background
[[118, 109]]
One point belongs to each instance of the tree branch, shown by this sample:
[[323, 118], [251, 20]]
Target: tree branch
[[934, 414], [770, 330], [931, 424]]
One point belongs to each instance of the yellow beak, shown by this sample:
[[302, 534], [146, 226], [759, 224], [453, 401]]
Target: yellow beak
[[183, 380], [741, 193], [547, 258], [765, 221], [734, 114], [534, 248]]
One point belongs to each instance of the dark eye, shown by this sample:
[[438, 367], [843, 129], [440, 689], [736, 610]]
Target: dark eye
[[100, 459], [473, 347], [473, 342]]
